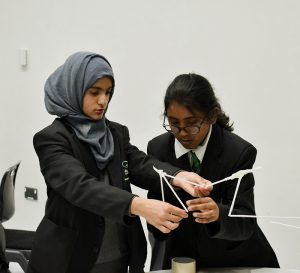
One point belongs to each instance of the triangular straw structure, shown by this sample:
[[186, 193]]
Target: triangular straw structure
[[237, 175]]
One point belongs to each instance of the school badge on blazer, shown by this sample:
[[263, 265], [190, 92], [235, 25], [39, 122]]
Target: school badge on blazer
[[125, 170]]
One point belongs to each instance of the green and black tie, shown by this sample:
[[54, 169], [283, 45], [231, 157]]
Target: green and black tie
[[195, 162]]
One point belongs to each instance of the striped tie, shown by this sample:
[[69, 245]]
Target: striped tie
[[195, 162]]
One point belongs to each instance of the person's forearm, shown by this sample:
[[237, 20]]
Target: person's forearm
[[138, 205]]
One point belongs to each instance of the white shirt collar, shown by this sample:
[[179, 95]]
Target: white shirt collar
[[199, 151]]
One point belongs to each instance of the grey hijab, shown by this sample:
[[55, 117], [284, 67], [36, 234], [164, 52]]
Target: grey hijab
[[64, 91]]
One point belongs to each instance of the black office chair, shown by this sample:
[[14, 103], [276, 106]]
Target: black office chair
[[16, 245], [7, 207]]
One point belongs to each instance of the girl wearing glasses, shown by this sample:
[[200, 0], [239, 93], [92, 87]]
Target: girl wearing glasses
[[88, 163], [200, 139]]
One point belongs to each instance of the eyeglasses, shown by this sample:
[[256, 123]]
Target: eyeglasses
[[191, 130]]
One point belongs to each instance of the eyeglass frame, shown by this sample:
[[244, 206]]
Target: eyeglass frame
[[182, 128]]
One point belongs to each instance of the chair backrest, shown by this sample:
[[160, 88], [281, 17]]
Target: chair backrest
[[7, 193]]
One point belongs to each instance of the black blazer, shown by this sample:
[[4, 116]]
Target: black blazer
[[230, 242], [70, 235]]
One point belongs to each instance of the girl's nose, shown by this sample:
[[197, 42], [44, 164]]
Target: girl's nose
[[102, 100], [182, 132]]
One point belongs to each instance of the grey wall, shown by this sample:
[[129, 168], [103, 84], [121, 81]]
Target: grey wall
[[248, 49]]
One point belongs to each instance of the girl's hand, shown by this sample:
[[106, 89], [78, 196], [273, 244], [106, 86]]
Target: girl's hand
[[205, 210], [204, 186], [161, 215]]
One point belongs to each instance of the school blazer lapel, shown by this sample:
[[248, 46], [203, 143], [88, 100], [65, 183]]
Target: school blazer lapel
[[114, 166], [181, 162], [83, 152], [211, 160], [87, 158]]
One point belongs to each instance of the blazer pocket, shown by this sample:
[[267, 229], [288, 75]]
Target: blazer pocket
[[52, 248]]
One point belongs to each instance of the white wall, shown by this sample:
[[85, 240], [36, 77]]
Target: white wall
[[248, 49]]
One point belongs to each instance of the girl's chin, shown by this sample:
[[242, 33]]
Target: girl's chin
[[96, 117], [189, 145]]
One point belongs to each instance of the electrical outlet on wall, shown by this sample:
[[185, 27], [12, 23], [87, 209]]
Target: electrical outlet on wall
[[31, 193]]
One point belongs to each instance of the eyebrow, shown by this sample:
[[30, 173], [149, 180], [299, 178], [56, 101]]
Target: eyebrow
[[100, 88]]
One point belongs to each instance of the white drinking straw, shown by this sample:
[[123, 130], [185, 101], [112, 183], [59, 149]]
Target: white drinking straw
[[163, 176], [282, 224]]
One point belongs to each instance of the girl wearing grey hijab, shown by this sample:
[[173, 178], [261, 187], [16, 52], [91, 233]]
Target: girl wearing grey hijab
[[64, 91], [88, 163]]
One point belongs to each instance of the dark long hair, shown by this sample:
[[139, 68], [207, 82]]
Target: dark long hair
[[195, 93]]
